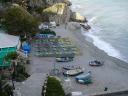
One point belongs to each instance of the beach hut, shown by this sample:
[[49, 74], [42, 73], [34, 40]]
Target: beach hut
[[8, 44]]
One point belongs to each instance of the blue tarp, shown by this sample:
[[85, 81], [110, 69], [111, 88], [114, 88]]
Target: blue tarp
[[26, 47]]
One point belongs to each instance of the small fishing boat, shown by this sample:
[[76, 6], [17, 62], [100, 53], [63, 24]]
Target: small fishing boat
[[96, 63], [64, 59], [73, 72], [71, 67], [84, 78]]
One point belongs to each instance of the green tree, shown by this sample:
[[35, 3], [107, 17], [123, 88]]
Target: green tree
[[12, 56], [19, 21], [5, 88], [54, 88]]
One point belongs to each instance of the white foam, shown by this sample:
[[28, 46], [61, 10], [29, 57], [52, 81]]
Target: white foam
[[92, 19], [99, 43], [108, 48], [74, 7]]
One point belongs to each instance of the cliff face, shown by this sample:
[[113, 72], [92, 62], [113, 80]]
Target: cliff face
[[77, 17], [46, 4], [62, 18], [67, 14], [36, 7], [61, 10]]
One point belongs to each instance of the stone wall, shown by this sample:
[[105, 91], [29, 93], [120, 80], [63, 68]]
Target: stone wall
[[117, 93]]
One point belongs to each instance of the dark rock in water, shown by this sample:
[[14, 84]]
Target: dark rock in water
[[87, 27]]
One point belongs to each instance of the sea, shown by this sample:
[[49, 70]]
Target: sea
[[109, 25]]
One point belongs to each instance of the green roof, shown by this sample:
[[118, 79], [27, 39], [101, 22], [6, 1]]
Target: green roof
[[3, 53]]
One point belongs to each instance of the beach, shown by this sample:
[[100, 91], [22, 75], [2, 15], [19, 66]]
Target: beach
[[54, 31], [113, 74]]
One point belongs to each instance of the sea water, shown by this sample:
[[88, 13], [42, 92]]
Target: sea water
[[109, 22]]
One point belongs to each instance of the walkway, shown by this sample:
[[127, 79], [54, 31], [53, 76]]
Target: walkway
[[33, 85]]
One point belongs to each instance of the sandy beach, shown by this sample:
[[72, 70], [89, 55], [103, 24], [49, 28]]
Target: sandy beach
[[113, 74]]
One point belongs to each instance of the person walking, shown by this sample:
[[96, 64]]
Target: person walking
[[106, 88]]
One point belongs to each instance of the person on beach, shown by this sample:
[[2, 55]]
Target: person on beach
[[106, 88], [66, 25]]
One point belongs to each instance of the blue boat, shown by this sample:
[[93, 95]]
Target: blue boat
[[84, 78]]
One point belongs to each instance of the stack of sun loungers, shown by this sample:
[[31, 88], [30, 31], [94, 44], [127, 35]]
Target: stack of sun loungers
[[53, 47]]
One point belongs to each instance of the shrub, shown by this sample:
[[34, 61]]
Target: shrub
[[5, 88], [48, 31], [11, 56], [54, 87], [20, 73]]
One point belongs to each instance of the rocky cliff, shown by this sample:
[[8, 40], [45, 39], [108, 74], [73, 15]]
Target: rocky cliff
[[58, 11], [67, 14], [61, 8]]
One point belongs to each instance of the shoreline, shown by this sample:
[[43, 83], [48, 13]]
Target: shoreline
[[98, 51], [112, 74], [78, 34], [103, 51]]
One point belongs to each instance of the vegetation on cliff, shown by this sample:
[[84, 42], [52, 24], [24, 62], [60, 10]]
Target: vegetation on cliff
[[19, 21], [48, 31]]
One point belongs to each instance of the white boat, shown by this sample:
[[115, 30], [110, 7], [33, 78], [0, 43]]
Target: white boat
[[73, 72]]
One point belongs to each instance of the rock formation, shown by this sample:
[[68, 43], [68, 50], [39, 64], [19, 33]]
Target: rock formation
[[77, 17]]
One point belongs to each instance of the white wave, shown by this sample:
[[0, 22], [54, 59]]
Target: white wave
[[76, 7], [92, 19], [108, 48], [98, 42], [102, 45]]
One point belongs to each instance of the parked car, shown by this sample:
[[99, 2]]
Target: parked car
[[64, 59], [96, 63]]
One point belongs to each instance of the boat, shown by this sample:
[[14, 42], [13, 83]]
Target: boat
[[71, 67], [77, 93], [86, 81], [73, 72], [96, 63], [64, 59], [84, 78]]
